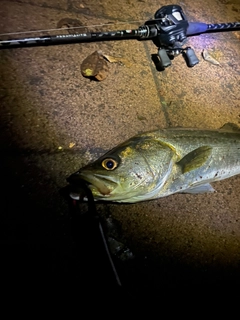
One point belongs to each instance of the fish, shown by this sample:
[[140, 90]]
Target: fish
[[161, 163]]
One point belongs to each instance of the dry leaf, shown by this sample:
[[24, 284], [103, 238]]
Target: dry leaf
[[209, 58], [95, 66], [74, 25], [112, 59], [71, 144]]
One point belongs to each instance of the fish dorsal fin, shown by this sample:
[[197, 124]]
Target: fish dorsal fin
[[195, 159], [230, 127]]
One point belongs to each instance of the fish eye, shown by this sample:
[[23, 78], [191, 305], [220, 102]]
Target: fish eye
[[109, 164]]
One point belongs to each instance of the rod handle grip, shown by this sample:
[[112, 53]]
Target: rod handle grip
[[196, 28]]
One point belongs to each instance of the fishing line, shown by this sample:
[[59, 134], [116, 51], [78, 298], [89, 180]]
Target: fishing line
[[71, 28], [93, 212]]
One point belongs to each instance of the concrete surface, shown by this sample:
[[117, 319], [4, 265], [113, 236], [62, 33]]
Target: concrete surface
[[180, 241]]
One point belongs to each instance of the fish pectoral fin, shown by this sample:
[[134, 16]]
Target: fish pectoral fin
[[195, 159], [200, 189]]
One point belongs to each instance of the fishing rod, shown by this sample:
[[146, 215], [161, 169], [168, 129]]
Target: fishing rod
[[168, 30]]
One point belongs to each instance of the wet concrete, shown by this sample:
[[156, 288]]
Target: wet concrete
[[53, 121]]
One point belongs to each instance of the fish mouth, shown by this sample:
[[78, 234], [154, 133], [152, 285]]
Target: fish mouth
[[100, 185]]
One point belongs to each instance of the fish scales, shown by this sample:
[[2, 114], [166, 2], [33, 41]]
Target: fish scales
[[163, 162]]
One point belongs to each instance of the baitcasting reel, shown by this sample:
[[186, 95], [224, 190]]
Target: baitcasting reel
[[172, 30]]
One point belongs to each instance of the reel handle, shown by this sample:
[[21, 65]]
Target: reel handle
[[190, 57]]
